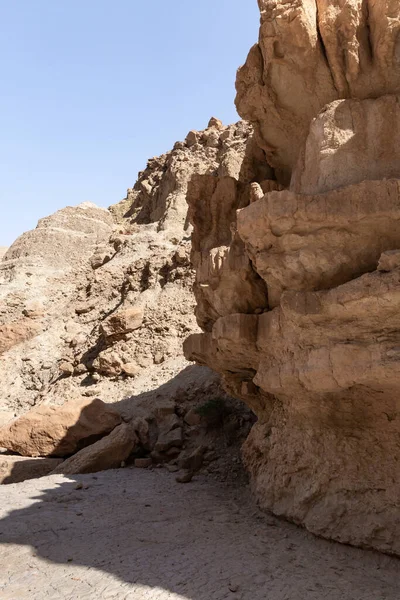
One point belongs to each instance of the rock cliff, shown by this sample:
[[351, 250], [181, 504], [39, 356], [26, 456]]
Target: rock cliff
[[298, 268]]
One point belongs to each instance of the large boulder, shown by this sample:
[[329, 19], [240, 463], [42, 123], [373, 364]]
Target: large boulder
[[107, 453], [59, 430]]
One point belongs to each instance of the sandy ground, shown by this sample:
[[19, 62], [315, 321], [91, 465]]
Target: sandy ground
[[135, 535]]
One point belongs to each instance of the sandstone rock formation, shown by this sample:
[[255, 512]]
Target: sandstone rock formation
[[310, 53], [298, 288]]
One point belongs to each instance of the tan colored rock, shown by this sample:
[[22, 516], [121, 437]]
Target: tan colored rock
[[319, 361], [389, 260], [67, 368], [107, 453], [339, 151], [184, 477], [214, 122], [122, 322], [109, 363], [59, 430], [63, 239], [14, 469], [225, 280], [192, 460], [299, 242], [131, 369], [311, 52], [192, 138], [256, 192], [285, 81]]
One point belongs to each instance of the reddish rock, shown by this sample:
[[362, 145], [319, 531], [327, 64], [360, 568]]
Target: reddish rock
[[59, 430]]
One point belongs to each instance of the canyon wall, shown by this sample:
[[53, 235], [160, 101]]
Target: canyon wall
[[298, 268]]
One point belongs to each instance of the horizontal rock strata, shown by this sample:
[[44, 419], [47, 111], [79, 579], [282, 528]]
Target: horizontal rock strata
[[305, 328]]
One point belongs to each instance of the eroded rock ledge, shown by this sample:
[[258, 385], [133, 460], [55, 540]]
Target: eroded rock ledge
[[298, 272]]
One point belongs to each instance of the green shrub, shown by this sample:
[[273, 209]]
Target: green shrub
[[213, 411]]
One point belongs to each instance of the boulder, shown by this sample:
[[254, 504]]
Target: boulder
[[169, 439], [107, 453], [59, 430], [122, 322]]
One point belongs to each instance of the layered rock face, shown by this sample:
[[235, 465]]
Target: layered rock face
[[310, 53], [298, 272]]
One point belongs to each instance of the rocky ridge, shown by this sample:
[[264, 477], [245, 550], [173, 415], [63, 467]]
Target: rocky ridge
[[95, 304], [308, 333]]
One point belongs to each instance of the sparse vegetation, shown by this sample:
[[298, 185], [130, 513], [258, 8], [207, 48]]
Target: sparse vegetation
[[213, 411]]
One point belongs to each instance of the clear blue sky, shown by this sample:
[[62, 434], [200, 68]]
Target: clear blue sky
[[92, 88]]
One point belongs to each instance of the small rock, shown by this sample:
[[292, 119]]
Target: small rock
[[169, 423], [108, 363], [80, 369], [131, 369], [122, 322], [192, 418], [192, 138], [172, 452], [184, 477], [172, 468], [158, 358], [99, 259], [66, 368], [214, 122], [192, 461], [210, 456], [83, 308], [143, 463]]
